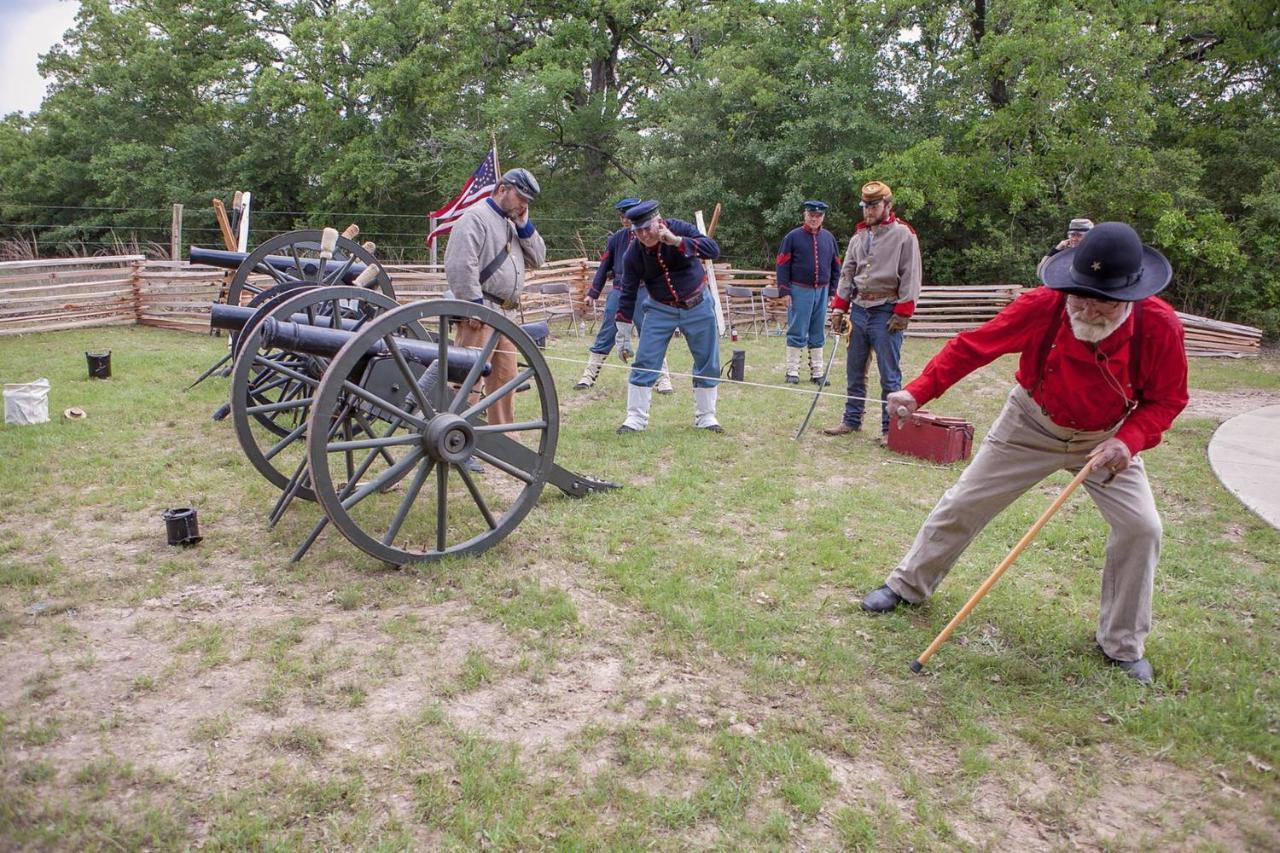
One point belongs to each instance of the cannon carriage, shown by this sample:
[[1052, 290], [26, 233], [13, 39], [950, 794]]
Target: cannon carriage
[[341, 396]]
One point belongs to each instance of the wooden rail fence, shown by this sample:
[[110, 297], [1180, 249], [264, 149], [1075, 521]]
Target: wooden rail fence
[[68, 293]]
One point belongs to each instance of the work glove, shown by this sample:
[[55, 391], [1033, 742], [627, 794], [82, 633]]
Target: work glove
[[839, 323], [623, 342], [899, 322]]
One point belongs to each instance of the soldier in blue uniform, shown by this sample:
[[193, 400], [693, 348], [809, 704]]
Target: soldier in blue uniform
[[611, 267], [808, 270], [666, 260]]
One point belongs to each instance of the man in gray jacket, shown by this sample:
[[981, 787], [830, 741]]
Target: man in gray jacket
[[484, 262], [879, 286]]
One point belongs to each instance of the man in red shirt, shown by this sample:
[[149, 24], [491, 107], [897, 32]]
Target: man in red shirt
[[1102, 375]]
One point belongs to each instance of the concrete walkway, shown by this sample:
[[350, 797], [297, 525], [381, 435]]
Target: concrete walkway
[[1245, 454]]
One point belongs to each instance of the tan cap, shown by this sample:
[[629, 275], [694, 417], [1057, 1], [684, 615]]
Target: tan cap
[[875, 191], [1080, 225], [75, 413]]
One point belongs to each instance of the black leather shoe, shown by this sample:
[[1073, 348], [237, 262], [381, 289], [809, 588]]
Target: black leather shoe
[[881, 600], [624, 429], [716, 428], [1139, 670], [793, 380]]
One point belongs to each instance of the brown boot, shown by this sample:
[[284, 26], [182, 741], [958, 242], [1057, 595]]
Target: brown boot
[[841, 429]]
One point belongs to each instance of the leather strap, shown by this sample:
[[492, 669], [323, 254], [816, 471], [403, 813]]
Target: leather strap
[[492, 267]]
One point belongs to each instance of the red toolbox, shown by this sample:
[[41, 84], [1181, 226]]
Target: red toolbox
[[932, 437]]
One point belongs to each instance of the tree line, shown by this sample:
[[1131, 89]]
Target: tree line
[[995, 121]]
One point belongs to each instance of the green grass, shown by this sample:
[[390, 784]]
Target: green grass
[[679, 663]]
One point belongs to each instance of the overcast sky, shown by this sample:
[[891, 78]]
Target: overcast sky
[[29, 28]]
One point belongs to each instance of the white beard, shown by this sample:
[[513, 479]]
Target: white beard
[[1091, 331]]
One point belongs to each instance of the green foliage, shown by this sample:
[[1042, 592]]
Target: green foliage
[[994, 122]]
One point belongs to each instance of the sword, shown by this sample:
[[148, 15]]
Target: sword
[[821, 385]]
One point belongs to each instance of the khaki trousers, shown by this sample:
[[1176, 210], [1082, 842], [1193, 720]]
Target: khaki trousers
[[1022, 448], [503, 362]]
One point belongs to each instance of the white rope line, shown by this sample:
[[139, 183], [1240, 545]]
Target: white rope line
[[807, 392]]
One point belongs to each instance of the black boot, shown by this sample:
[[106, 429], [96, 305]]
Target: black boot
[[1139, 670], [881, 600]]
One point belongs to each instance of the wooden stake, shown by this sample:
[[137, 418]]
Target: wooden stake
[[175, 234], [918, 663], [224, 225], [715, 220], [711, 280]]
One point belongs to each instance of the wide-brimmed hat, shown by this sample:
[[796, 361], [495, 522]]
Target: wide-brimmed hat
[[1079, 226], [1110, 263]]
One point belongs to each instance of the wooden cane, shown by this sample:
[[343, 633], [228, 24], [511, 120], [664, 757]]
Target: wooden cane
[[918, 664]]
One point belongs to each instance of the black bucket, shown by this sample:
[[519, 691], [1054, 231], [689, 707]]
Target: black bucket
[[181, 526], [99, 364], [738, 365]]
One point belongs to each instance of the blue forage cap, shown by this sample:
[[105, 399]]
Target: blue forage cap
[[641, 213], [625, 204], [815, 205]]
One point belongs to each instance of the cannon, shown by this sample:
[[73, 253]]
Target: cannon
[[343, 397], [308, 257]]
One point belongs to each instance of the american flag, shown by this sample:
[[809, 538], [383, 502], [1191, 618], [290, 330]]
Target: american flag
[[481, 184]]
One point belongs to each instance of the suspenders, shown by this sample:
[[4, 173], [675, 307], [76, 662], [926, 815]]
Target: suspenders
[[1135, 357]]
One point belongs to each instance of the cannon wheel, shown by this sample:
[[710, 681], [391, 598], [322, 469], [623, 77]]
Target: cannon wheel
[[304, 247], [272, 389], [424, 504]]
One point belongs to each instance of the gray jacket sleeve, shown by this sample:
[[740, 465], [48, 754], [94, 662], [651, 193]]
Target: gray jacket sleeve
[[910, 271], [534, 249]]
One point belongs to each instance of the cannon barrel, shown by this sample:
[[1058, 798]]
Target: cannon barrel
[[324, 341], [283, 263], [234, 318]]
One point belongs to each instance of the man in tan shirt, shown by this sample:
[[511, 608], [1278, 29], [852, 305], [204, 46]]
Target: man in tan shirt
[[879, 286], [488, 251]]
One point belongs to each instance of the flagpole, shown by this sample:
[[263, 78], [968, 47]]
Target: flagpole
[[497, 170], [433, 240]]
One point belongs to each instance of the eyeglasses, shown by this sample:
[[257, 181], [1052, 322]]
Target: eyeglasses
[[1096, 304]]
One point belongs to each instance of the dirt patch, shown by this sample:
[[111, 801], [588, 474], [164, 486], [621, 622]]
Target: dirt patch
[[1224, 405], [1031, 805], [123, 685]]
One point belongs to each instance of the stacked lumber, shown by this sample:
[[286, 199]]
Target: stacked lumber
[[416, 282], [176, 295], [944, 311], [67, 293], [1205, 337]]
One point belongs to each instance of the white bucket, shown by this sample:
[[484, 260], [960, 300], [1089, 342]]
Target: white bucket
[[26, 402]]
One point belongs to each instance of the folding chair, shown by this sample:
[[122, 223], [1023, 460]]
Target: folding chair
[[560, 304], [740, 305], [773, 309]]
